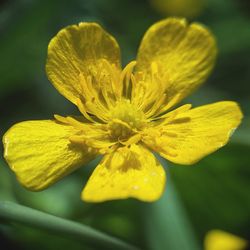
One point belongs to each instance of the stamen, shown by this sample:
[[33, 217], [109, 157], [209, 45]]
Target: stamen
[[169, 134], [83, 111], [70, 121], [115, 84], [97, 90], [61, 119], [163, 119], [180, 120], [77, 139], [134, 139], [126, 79], [74, 122], [169, 104]]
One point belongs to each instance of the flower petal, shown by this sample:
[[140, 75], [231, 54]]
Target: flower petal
[[127, 172], [40, 153], [195, 133], [176, 58], [78, 54], [220, 240]]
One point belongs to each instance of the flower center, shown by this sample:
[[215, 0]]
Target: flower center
[[126, 122]]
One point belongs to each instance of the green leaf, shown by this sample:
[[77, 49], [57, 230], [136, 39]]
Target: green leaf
[[20, 214], [216, 190], [167, 223]]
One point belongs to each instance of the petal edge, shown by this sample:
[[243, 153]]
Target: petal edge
[[195, 133], [126, 173], [39, 153]]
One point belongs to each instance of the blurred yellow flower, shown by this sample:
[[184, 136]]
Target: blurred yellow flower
[[220, 240], [124, 112], [185, 8]]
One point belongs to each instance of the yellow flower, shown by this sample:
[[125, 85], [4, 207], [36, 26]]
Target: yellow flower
[[220, 240], [125, 113]]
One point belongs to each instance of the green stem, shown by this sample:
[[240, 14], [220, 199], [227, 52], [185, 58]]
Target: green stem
[[31, 217], [167, 223]]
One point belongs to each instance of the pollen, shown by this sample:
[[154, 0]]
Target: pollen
[[126, 121]]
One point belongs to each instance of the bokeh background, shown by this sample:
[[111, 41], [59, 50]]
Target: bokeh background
[[213, 193]]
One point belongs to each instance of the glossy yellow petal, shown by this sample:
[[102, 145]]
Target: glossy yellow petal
[[176, 58], [81, 60], [95, 136], [187, 136], [40, 153], [127, 172], [220, 240]]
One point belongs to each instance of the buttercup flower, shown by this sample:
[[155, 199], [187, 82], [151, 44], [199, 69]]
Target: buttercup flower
[[126, 114], [220, 240]]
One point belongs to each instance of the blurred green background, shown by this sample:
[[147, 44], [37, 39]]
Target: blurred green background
[[213, 193]]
